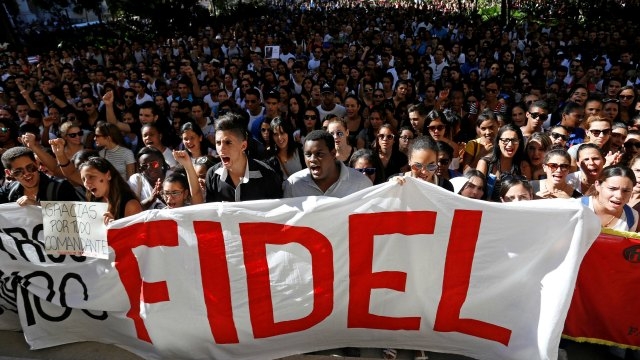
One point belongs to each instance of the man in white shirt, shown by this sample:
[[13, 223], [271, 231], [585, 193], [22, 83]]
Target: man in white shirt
[[324, 175], [328, 105]]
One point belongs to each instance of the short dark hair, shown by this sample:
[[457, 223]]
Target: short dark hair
[[321, 135], [233, 123], [16, 152]]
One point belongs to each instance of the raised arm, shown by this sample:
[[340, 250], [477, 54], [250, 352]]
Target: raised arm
[[65, 166], [182, 157], [108, 100]]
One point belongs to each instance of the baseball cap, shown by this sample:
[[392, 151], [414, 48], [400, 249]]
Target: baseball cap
[[327, 88]]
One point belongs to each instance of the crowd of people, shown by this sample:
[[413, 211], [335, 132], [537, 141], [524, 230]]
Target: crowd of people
[[344, 100]]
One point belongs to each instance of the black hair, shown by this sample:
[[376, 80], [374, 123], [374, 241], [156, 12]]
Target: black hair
[[321, 135]]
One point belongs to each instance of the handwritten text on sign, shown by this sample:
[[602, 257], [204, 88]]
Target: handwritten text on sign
[[75, 228]]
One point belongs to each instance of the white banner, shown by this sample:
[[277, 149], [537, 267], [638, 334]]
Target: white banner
[[404, 266]]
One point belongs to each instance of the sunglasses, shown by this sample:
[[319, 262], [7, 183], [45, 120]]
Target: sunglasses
[[87, 105], [421, 167], [625, 97], [337, 133], [597, 133], [368, 90], [73, 135], [535, 115], [506, 141], [310, 117], [386, 137], [4, 130], [610, 100], [20, 172], [557, 136], [553, 166], [406, 138], [436, 128], [150, 165], [635, 144], [367, 171]]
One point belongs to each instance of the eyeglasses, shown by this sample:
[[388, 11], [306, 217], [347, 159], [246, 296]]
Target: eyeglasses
[[436, 128], [171, 194], [20, 172], [150, 165], [416, 166], [4, 130], [444, 162], [635, 144], [597, 133], [506, 141], [367, 171], [384, 137], [406, 138], [73, 135], [337, 133], [625, 97], [553, 167], [310, 117], [535, 115], [557, 136]]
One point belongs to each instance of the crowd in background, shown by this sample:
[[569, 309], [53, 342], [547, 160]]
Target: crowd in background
[[329, 102]]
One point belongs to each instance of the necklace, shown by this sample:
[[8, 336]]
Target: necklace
[[610, 220]]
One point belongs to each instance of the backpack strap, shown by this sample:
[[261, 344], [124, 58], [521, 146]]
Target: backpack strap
[[13, 189], [585, 200], [629, 214]]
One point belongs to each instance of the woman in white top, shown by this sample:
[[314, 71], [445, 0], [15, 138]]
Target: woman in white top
[[109, 139], [147, 183], [610, 202]]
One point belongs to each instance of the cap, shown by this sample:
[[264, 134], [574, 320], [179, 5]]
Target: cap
[[458, 183], [327, 88], [218, 37], [214, 61]]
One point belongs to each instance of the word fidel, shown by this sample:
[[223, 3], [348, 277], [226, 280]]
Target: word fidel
[[362, 280]]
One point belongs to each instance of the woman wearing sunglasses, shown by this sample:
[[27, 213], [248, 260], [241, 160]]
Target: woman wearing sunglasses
[[147, 182], [598, 133], [556, 166], [559, 137], [393, 161], [508, 157], [337, 127], [368, 163], [72, 135], [423, 159], [627, 109]]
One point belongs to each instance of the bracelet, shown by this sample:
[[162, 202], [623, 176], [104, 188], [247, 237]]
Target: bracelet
[[65, 164]]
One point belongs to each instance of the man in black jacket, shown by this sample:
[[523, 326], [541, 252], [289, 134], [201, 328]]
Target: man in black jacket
[[237, 177]]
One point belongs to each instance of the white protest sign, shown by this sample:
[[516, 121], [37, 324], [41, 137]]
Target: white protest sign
[[272, 52], [75, 228]]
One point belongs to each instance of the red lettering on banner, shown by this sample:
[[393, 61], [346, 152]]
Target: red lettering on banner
[[362, 279], [255, 237], [463, 238], [215, 281], [123, 241]]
